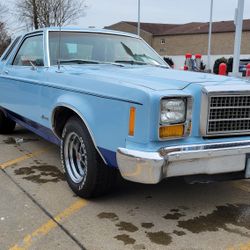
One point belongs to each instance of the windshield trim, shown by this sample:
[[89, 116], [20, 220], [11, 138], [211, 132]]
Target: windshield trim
[[47, 47]]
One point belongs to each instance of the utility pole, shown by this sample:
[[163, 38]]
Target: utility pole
[[238, 34], [139, 18], [210, 35]]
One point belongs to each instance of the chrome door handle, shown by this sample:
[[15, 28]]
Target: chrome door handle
[[6, 72]]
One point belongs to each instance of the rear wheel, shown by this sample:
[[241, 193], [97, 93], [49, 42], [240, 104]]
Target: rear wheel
[[7, 126], [86, 173]]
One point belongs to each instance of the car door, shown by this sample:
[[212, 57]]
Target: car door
[[20, 89]]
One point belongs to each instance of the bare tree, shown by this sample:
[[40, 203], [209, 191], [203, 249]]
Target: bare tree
[[3, 10], [4, 37], [45, 13]]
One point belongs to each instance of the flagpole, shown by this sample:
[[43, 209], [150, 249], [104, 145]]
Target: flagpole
[[238, 33], [139, 18], [210, 35]]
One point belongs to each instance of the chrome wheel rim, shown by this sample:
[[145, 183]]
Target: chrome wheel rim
[[76, 159]]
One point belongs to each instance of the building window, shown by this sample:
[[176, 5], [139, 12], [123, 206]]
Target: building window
[[163, 41]]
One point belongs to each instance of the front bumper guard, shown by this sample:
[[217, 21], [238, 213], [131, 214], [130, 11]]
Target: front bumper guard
[[213, 158]]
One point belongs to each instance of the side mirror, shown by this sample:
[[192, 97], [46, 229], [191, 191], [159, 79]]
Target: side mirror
[[39, 62]]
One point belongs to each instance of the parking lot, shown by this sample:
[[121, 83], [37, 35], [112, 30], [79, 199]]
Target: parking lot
[[39, 211]]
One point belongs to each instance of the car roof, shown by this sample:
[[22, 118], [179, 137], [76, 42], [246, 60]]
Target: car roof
[[84, 30]]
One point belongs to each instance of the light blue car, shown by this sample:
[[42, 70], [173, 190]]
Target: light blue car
[[112, 104]]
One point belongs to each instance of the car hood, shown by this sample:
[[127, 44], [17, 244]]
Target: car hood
[[154, 78]]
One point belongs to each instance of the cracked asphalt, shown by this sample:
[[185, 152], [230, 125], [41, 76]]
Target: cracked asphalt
[[39, 211]]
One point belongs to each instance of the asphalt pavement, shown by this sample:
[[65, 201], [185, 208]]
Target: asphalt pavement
[[39, 211]]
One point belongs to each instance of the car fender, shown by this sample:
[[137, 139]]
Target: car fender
[[86, 114]]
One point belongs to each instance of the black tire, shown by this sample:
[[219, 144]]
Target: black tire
[[77, 148], [7, 126]]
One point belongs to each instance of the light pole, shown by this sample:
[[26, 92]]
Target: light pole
[[139, 18], [238, 33], [210, 35]]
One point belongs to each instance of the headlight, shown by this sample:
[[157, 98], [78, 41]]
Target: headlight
[[173, 111]]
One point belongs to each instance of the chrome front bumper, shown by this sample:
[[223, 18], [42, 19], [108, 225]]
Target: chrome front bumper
[[152, 167]]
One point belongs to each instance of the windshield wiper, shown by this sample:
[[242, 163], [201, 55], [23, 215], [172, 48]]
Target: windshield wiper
[[143, 63], [156, 64], [132, 62], [160, 66], [80, 61]]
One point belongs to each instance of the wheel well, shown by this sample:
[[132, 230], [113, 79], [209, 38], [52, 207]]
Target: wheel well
[[60, 118]]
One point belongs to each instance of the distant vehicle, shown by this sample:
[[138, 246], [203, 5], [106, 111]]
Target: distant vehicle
[[243, 66], [112, 103]]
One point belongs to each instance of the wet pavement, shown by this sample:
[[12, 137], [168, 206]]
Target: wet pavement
[[39, 211]]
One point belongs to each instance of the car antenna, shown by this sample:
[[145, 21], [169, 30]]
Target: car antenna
[[60, 38]]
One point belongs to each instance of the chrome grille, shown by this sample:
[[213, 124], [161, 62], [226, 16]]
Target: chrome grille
[[228, 115]]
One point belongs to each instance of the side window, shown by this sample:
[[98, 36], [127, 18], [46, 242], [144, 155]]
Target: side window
[[30, 52], [12, 46]]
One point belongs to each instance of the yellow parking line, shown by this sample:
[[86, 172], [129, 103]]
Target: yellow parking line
[[245, 246], [48, 226], [243, 185], [22, 158]]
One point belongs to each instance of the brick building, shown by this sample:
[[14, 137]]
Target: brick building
[[175, 40]]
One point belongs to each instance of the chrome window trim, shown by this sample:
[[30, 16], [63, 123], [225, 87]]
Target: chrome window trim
[[94, 31], [48, 31], [20, 45], [5, 56], [186, 124], [206, 93], [100, 33], [46, 48]]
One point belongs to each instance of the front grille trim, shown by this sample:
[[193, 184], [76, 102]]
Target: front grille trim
[[225, 119]]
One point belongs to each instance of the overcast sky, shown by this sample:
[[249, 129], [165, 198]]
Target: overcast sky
[[101, 13], [106, 12]]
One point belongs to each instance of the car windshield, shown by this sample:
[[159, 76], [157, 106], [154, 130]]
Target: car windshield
[[82, 48]]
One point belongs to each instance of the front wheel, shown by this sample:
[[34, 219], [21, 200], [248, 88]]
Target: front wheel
[[7, 126], [86, 173]]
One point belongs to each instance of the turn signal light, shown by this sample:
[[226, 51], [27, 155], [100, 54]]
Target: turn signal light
[[132, 114], [171, 131]]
